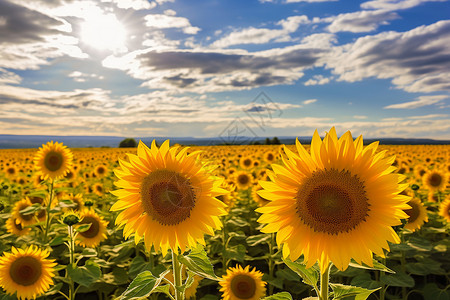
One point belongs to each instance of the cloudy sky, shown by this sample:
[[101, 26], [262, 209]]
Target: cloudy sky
[[176, 68]]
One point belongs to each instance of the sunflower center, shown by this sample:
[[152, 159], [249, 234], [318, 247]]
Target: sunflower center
[[332, 201], [247, 162], [25, 270], [93, 230], [435, 179], [53, 161], [243, 179], [270, 156], [167, 197], [413, 212], [243, 286]]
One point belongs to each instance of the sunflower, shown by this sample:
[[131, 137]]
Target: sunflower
[[10, 171], [337, 203], [96, 233], [270, 157], [24, 220], [100, 170], [168, 197], [77, 201], [98, 189], [417, 215], [240, 284], [246, 162], [53, 160], [27, 272], [14, 227], [444, 209], [256, 197], [435, 180], [41, 214], [243, 180]]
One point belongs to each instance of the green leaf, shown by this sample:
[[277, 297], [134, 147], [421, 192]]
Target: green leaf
[[400, 279], [419, 243], [138, 264], [120, 275], [198, 262], [142, 286], [365, 281], [425, 267], [85, 275], [276, 282], [279, 296], [89, 252], [258, 239], [31, 209], [341, 291], [432, 292], [376, 266], [83, 228], [310, 276], [58, 240], [54, 289], [236, 253], [162, 289]]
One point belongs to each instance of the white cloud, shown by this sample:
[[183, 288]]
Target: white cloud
[[394, 4], [360, 21], [318, 80], [309, 101], [415, 60], [253, 35], [423, 101], [134, 4], [7, 77], [169, 21]]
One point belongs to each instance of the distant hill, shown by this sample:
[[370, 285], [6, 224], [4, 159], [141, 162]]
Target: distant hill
[[35, 141]]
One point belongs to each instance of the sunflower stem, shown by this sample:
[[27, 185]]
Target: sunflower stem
[[271, 260], [179, 295], [71, 252], [324, 282], [47, 224]]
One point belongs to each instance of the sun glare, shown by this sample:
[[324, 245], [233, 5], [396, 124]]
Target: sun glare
[[103, 32]]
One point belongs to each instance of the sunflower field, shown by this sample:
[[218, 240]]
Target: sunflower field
[[336, 219]]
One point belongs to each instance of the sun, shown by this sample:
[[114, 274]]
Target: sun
[[103, 32]]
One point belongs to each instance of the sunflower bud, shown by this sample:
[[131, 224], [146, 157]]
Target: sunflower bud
[[415, 187], [71, 219], [89, 203]]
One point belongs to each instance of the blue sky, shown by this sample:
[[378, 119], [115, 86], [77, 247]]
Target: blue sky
[[176, 68]]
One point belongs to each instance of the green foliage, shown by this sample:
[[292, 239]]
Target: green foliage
[[128, 143]]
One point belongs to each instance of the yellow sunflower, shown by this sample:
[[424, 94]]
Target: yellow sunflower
[[246, 162], [53, 160], [337, 203], [417, 215], [14, 227], [100, 170], [444, 209], [243, 180], [23, 219], [26, 272], [434, 180], [270, 157], [256, 197], [240, 284], [168, 197], [96, 233]]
